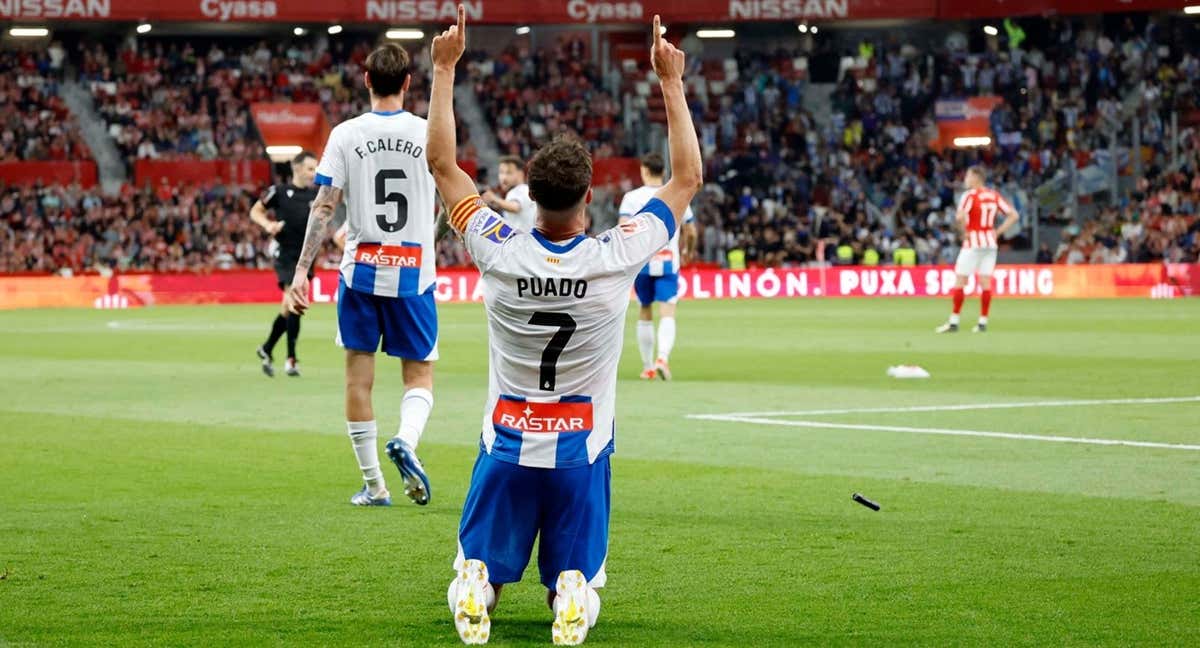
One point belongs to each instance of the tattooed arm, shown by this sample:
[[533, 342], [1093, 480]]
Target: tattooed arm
[[319, 216]]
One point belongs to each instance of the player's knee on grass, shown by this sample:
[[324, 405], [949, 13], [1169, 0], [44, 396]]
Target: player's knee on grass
[[496, 589]]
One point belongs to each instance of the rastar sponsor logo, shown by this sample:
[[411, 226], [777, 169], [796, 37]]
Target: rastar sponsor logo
[[392, 256], [55, 8], [431, 10], [604, 11], [227, 10], [526, 416], [787, 9]]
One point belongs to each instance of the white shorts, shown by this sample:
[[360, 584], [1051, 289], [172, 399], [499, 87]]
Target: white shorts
[[975, 260]]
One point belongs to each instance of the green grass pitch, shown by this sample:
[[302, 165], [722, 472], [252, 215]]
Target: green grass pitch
[[156, 489]]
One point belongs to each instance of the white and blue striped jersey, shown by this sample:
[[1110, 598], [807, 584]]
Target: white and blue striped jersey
[[378, 161], [556, 325], [666, 261]]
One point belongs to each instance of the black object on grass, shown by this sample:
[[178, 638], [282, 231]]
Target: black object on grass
[[865, 502]]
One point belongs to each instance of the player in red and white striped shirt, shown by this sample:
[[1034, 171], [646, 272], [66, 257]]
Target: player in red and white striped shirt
[[977, 214]]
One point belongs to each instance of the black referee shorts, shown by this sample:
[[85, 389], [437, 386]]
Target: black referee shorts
[[285, 272]]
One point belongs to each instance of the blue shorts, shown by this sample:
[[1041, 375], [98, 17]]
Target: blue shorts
[[509, 505], [656, 289], [407, 325]]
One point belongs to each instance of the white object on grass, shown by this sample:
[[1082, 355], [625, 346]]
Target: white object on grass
[[907, 371]]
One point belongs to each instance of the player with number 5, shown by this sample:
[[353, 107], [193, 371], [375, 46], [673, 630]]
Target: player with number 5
[[377, 163], [555, 301]]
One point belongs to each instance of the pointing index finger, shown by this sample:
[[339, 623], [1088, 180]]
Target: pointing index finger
[[657, 30], [462, 19]]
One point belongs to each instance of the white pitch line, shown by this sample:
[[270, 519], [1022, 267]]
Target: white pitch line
[[977, 406], [943, 431]]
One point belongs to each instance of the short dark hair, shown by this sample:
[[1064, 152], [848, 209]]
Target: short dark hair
[[653, 162], [513, 160], [387, 68], [302, 156], [560, 174], [978, 170]]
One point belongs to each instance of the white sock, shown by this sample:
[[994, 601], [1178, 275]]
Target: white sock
[[666, 337], [983, 319], [645, 336], [414, 412], [362, 437], [954, 318]]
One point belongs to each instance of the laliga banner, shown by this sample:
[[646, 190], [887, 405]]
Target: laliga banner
[[456, 286]]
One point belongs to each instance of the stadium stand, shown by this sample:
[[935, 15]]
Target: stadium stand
[[785, 186], [167, 229], [532, 96], [34, 122]]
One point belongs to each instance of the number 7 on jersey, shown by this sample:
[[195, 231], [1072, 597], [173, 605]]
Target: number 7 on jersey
[[566, 328]]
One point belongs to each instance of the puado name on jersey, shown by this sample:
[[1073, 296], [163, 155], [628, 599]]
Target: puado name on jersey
[[388, 144], [552, 287]]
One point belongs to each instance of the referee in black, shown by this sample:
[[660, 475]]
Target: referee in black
[[290, 202]]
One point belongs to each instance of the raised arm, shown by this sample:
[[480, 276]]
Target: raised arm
[[687, 173], [452, 182], [319, 216], [500, 204]]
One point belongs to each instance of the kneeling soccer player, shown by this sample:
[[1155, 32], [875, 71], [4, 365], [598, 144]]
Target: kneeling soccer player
[[556, 303]]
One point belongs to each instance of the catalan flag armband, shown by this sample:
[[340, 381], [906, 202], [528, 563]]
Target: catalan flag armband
[[462, 212]]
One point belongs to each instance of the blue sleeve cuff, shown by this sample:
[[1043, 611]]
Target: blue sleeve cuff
[[323, 180], [659, 208]]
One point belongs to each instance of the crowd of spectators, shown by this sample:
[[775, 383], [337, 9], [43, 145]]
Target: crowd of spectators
[[868, 181], [35, 123], [784, 187], [1161, 224], [172, 99], [167, 229], [531, 96]]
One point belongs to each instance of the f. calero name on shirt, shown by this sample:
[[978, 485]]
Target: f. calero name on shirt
[[389, 144]]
